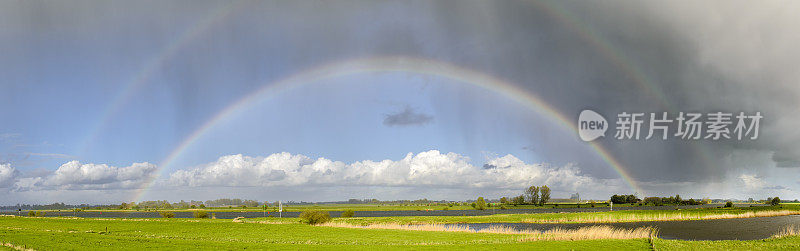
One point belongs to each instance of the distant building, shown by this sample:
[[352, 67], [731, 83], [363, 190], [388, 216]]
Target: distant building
[[576, 197]]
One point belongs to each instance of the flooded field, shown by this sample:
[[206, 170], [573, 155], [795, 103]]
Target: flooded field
[[254, 214], [722, 229]]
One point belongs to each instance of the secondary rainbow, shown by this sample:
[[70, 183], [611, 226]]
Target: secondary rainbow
[[617, 57], [155, 64], [393, 64]]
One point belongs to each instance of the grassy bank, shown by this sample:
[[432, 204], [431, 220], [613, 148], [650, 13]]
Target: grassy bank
[[66, 233], [128, 234]]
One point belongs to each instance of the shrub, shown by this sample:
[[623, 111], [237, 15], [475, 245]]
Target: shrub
[[503, 207], [480, 204], [35, 214], [200, 214], [167, 214], [314, 217], [728, 204], [348, 213]]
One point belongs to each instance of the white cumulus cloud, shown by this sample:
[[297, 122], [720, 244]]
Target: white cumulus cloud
[[425, 169], [74, 175], [8, 175]]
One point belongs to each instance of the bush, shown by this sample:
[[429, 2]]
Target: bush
[[167, 214], [480, 204], [314, 217], [348, 213], [503, 207], [728, 204], [775, 201], [35, 214], [200, 214], [624, 199]]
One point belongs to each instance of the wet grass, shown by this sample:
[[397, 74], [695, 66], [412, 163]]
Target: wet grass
[[171, 234], [786, 243]]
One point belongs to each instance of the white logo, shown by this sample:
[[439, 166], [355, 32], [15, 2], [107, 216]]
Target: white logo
[[591, 125]]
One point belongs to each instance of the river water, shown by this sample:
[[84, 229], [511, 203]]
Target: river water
[[722, 229]]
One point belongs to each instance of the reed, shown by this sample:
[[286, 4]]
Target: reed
[[787, 232], [584, 233], [592, 233]]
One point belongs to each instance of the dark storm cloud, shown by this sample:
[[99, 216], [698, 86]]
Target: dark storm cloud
[[407, 117], [609, 56]]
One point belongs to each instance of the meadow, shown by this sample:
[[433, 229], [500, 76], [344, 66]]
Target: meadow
[[128, 234]]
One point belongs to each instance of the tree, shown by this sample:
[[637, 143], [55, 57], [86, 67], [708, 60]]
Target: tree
[[623, 199], [519, 200], [655, 201], [504, 200], [775, 201], [532, 194], [480, 204], [545, 195]]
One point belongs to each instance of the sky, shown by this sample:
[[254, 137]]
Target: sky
[[119, 101]]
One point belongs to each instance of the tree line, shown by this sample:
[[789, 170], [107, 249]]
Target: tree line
[[532, 196]]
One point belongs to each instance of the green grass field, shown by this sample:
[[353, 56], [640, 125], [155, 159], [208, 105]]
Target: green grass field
[[127, 234]]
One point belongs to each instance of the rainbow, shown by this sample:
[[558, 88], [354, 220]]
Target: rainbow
[[571, 22], [393, 64], [154, 65]]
